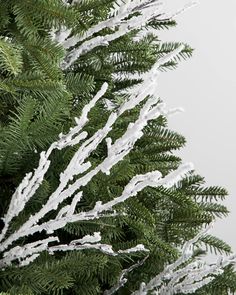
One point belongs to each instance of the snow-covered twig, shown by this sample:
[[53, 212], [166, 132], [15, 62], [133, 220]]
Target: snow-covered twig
[[27, 253], [120, 27], [104, 248], [77, 165], [137, 184], [32, 181], [117, 21], [123, 11], [122, 279], [184, 277], [181, 276]]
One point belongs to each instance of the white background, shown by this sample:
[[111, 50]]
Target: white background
[[205, 86]]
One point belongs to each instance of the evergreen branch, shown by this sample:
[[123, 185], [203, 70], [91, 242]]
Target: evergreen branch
[[10, 58], [215, 244]]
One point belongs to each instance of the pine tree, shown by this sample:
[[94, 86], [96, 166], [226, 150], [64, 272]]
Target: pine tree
[[54, 57]]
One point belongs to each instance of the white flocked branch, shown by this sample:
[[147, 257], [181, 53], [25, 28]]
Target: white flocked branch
[[80, 164], [122, 19], [186, 275], [117, 21]]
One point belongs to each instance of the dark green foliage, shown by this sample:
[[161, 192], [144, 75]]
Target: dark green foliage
[[34, 19], [215, 244], [38, 101], [162, 24]]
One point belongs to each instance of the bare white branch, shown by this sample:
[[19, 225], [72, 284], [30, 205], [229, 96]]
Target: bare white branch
[[104, 248], [147, 12], [27, 253], [123, 11], [116, 152], [32, 181], [184, 277], [122, 279]]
